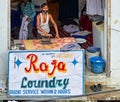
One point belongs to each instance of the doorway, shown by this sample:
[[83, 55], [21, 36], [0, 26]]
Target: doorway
[[107, 38], [54, 10]]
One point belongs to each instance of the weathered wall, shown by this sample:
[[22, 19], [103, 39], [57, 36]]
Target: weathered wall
[[4, 36]]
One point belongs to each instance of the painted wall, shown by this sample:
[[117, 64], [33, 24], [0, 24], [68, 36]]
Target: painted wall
[[4, 36], [115, 35], [115, 41]]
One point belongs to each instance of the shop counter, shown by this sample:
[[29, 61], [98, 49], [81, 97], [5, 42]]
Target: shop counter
[[36, 44]]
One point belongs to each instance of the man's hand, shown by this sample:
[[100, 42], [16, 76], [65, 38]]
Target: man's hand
[[57, 36], [28, 19], [46, 34]]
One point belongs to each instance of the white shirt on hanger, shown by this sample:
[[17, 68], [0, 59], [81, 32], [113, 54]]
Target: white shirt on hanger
[[94, 7]]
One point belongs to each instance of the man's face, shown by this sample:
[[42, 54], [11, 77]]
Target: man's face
[[45, 9]]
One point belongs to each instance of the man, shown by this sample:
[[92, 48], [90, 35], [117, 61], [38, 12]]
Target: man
[[43, 19], [28, 11]]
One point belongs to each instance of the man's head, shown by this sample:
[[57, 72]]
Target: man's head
[[44, 8]]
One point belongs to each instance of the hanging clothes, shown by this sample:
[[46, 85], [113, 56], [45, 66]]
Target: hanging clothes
[[23, 33], [82, 4], [95, 7]]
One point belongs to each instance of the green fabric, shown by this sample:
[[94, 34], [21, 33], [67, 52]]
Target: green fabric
[[28, 10]]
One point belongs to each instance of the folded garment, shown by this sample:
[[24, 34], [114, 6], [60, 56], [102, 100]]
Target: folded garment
[[70, 46], [71, 28], [81, 33]]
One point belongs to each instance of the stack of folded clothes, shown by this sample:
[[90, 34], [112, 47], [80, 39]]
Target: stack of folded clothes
[[70, 46], [81, 34], [71, 28]]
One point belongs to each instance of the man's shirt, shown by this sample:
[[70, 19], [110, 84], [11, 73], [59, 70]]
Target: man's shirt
[[28, 9]]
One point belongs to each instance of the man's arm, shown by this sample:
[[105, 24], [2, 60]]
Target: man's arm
[[55, 25]]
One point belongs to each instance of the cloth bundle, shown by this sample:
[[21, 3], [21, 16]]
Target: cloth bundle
[[71, 28], [70, 46]]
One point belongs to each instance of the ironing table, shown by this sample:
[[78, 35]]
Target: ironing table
[[36, 44]]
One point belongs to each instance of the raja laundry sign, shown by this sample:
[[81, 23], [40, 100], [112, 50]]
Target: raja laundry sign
[[46, 73]]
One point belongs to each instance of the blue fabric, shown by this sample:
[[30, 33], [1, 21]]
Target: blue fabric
[[68, 9], [15, 19], [81, 36]]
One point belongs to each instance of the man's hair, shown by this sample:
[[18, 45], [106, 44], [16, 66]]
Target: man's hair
[[44, 4]]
